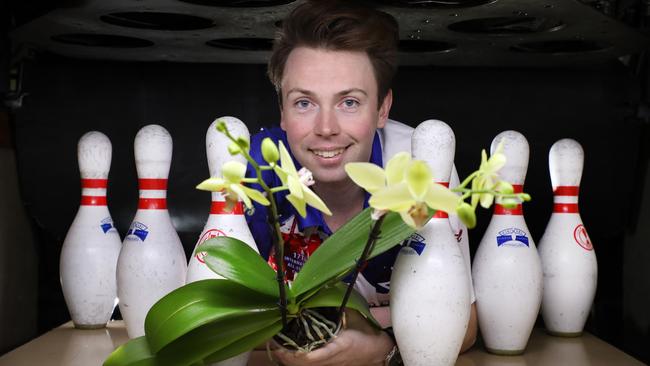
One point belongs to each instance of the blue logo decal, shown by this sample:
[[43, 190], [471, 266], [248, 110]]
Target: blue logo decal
[[416, 242], [512, 237], [138, 229], [107, 225]]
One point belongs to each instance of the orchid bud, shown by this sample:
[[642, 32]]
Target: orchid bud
[[509, 202], [504, 187], [243, 142], [234, 148], [466, 214], [270, 151], [221, 126]]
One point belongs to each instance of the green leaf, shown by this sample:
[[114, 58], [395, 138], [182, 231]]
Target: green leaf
[[332, 296], [338, 254], [236, 261], [246, 343], [209, 339], [200, 303], [133, 353]]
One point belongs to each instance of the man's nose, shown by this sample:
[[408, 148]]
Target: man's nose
[[327, 123]]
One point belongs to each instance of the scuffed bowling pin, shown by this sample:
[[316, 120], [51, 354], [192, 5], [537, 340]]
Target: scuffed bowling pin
[[152, 261], [507, 271], [92, 245], [430, 294], [568, 258], [221, 223]]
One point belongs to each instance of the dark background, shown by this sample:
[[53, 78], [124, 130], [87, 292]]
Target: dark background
[[601, 107]]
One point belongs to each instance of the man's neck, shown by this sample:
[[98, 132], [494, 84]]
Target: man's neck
[[344, 199]]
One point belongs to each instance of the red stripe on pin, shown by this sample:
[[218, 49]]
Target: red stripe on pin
[[501, 210], [94, 183], [154, 184], [566, 190], [152, 204], [440, 215], [93, 200], [565, 208], [445, 184], [220, 208], [518, 188]]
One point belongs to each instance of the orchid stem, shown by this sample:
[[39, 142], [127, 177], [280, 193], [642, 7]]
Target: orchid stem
[[278, 241], [361, 263]]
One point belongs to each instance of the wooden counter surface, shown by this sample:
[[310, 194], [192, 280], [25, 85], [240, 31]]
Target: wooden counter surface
[[71, 347]]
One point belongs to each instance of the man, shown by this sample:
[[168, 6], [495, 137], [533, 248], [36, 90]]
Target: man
[[332, 66]]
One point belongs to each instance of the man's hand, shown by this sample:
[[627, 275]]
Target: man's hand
[[359, 345]]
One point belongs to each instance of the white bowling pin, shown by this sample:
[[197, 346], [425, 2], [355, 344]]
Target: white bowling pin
[[462, 235], [507, 271], [152, 261], [568, 258], [430, 295], [92, 245], [221, 223]]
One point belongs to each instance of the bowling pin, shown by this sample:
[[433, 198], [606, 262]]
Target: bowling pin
[[430, 295], [92, 244], [221, 223], [152, 261], [568, 258], [462, 235], [507, 271]]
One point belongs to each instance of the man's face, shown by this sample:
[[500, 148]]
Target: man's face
[[329, 110]]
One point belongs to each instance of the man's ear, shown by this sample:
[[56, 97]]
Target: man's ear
[[384, 109], [282, 125]]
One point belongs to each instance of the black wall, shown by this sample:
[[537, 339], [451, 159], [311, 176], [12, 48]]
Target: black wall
[[594, 106]]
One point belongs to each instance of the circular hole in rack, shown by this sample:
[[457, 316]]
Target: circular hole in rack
[[507, 25], [239, 3], [101, 40], [157, 20], [425, 46], [435, 4], [560, 46], [242, 44]]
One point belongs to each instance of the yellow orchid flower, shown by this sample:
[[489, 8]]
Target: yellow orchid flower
[[406, 187], [298, 181], [232, 188], [487, 178]]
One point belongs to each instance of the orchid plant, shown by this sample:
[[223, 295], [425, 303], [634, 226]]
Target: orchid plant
[[212, 320]]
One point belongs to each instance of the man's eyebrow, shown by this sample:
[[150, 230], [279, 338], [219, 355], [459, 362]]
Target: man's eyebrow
[[299, 90], [341, 93], [352, 90]]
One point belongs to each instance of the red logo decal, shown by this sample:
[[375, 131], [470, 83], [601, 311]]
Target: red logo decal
[[581, 237], [212, 233]]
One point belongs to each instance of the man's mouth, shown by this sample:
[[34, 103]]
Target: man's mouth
[[328, 153]]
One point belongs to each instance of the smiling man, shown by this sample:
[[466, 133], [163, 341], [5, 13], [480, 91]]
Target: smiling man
[[332, 66]]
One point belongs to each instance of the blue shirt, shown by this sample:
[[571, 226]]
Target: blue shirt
[[303, 234]]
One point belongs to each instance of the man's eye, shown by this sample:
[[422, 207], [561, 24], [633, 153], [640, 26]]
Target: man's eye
[[350, 103], [303, 104]]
